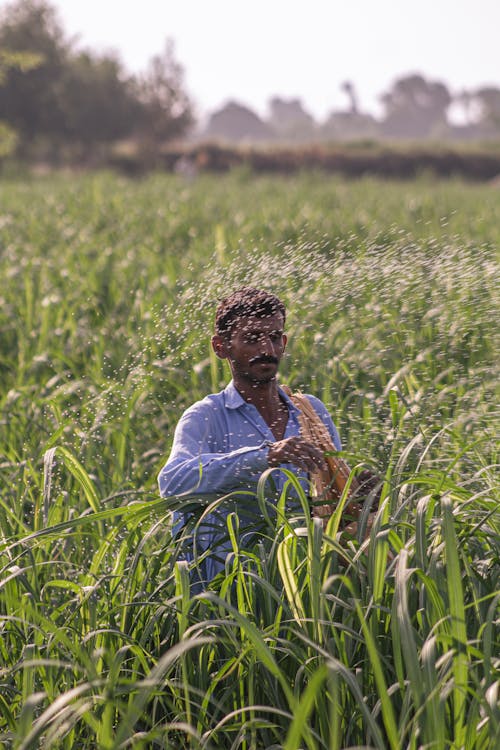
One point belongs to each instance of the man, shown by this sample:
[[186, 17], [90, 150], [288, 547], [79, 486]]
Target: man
[[226, 441]]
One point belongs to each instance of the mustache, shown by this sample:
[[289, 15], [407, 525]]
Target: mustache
[[264, 359]]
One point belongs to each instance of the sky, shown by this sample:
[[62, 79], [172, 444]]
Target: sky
[[251, 51]]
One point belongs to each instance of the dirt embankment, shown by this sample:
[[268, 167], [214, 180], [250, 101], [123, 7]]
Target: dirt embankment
[[381, 161]]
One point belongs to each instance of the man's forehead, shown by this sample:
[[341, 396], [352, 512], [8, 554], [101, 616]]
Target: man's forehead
[[257, 323]]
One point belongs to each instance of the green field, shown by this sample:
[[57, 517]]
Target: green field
[[107, 300]]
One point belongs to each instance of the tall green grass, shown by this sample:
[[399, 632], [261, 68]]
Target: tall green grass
[[310, 639]]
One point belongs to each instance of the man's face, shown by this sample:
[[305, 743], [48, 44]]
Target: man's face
[[254, 348]]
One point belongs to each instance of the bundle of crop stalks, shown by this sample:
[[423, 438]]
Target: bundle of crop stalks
[[331, 483]]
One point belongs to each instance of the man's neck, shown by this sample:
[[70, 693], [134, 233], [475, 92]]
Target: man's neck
[[266, 399], [262, 395]]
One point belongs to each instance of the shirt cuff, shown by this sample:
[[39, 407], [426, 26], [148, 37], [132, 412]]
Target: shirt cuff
[[254, 458]]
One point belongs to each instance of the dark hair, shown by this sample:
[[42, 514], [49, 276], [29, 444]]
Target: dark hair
[[246, 302]]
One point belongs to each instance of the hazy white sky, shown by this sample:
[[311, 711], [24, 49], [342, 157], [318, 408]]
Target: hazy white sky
[[250, 51]]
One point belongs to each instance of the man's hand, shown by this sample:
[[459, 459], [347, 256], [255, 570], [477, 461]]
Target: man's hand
[[297, 451]]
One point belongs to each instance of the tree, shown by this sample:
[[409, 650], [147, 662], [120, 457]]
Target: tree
[[290, 121], [10, 61], [166, 110], [349, 126], [235, 122], [349, 88], [415, 108], [100, 101], [31, 100], [78, 99], [488, 100]]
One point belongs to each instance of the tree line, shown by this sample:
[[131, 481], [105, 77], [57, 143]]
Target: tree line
[[57, 100], [414, 108]]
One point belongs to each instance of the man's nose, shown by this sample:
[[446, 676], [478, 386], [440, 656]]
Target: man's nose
[[266, 345]]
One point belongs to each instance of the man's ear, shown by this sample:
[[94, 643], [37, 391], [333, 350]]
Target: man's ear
[[220, 346]]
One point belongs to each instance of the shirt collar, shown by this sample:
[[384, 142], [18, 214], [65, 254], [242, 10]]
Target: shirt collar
[[233, 398]]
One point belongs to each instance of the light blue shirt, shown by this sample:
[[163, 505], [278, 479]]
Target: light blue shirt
[[220, 445]]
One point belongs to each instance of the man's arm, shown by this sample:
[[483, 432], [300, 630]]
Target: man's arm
[[196, 464]]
